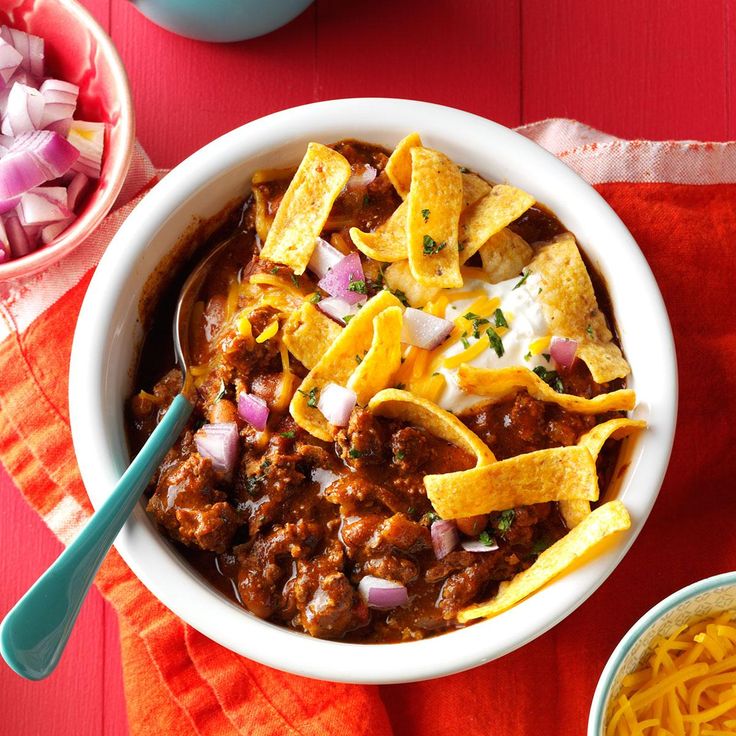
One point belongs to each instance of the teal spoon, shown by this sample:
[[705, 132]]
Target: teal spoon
[[35, 631]]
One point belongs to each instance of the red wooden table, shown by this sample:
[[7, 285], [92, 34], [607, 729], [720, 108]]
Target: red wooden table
[[660, 69]]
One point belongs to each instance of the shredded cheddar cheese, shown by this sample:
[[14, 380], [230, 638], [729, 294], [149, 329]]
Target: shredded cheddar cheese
[[686, 688], [539, 346], [233, 295], [271, 329], [468, 354], [270, 279]]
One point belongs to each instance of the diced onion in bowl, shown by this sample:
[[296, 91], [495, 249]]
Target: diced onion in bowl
[[43, 205], [60, 99], [345, 280], [336, 404], [563, 351], [445, 537], [29, 46], [10, 59], [424, 330], [253, 409], [89, 140], [361, 179], [323, 258], [218, 443], [338, 308], [23, 111], [382, 594], [475, 545]]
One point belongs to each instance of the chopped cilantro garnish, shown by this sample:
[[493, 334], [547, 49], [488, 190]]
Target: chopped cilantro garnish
[[221, 393], [425, 215], [487, 539], [539, 291], [528, 356], [399, 456], [367, 200], [347, 318], [275, 270], [505, 520], [311, 396], [546, 356], [551, 378], [289, 435], [358, 286], [589, 330], [499, 319], [540, 545], [430, 247], [358, 359], [355, 453], [316, 297], [522, 281], [464, 340], [495, 341], [477, 322], [400, 296], [410, 511], [295, 280], [430, 517]]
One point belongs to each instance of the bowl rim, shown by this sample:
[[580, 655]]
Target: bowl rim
[[119, 159], [656, 612], [434, 657]]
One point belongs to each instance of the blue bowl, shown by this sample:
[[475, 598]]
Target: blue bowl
[[699, 600], [221, 20]]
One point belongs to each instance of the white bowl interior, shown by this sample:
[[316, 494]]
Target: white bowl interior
[[700, 600], [109, 334]]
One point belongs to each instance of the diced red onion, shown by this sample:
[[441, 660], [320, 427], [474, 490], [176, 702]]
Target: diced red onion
[[382, 594], [219, 443], [89, 140], [10, 59], [20, 243], [60, 98], [8, 204], [60, 126], [30, 47], [362, 179], [33, 159], [43, 205], [336, 404], [75, 190], [475, 545], [323, 258], [424, 330], [338, 308], [5, 253], [50, 232], [445, 537], [563, 351], [254, 410], [338, 279], [24, 110]]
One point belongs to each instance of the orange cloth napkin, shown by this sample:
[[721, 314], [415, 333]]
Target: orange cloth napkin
[[679, 200]]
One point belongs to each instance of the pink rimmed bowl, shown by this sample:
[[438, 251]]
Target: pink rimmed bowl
[[79, 51]]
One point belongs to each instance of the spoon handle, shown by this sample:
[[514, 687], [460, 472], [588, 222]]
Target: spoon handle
[[34, 633]]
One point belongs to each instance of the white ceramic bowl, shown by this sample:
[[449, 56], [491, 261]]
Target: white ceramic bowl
[[699, 600], [108, 336]]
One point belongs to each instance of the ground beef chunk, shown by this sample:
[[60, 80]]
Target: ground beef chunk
[[264, 564], [326, 603], [462, 587], [391, 567], [265, 481], [521, 530], [364, 441], [355, 492], [402, 533], [191, 510], [410, 449]]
